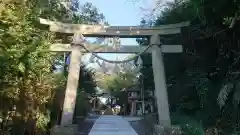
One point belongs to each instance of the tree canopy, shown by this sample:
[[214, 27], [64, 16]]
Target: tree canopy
[[27, 83], [203, 80], [122, 79]]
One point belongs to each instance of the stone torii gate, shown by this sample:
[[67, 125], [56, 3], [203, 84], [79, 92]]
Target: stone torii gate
[[120, 31]]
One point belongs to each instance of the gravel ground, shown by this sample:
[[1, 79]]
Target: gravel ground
[[85, 126], [140, 127]]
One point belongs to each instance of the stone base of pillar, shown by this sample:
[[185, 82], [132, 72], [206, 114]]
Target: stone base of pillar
[[64, 130], [160, 130]]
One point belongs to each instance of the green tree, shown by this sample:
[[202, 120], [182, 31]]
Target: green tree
[[207, 64], [117, 82], [125, 77], [27, 84]]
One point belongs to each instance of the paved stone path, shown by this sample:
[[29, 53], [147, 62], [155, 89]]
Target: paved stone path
[[138, 125], [112, 125]]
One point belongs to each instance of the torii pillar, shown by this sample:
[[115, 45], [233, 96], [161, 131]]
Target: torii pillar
[[161, 94], [72, 83]]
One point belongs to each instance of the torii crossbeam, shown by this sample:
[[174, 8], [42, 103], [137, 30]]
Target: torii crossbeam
[[121, 31], [111, 31]]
